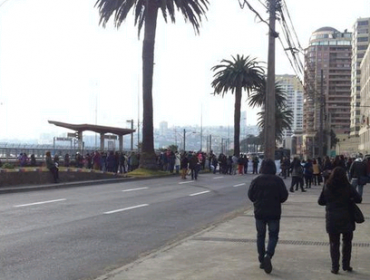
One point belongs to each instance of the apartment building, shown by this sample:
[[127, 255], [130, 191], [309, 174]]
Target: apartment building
[[360, 42], [327, 90]]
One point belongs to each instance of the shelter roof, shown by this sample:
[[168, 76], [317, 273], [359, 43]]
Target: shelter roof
[[94, 128]]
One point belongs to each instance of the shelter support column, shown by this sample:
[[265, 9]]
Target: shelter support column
[[80, 140], [101, 142], [120, 140]]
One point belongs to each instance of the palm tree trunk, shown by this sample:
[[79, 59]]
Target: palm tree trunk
[[238, 100], [148, 157]]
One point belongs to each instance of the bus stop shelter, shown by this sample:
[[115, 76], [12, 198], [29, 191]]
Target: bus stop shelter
[[102, 130]]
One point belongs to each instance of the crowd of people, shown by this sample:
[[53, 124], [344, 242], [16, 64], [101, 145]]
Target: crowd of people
[[343, 180], [316, 171]]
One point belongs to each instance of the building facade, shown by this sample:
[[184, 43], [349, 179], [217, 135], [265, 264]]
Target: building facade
[[360, 42], [293, 88], [327, 90], [364, 132]]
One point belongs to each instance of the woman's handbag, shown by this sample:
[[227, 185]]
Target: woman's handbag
[[357, 213]]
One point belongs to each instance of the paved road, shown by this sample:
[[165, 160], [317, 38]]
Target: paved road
[[82, 232]]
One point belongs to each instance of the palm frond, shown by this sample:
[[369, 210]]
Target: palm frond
[[240, 72]]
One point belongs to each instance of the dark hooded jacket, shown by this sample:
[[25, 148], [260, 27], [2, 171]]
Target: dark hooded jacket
[[338, 201], [267, 192]]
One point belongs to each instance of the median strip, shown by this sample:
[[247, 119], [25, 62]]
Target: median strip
[[137, 189], [41, 202], [194, 194], [125, 209]]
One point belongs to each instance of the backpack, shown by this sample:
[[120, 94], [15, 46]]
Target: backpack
[[299, 170]]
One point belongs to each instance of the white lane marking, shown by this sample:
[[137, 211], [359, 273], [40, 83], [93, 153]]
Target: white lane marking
[[193, 194], [238, 185], [41, 202], [125, 209], [218, 177], [137, 189], [187, 182]]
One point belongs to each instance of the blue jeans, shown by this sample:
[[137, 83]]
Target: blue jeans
[[359, 188], [273, 228]]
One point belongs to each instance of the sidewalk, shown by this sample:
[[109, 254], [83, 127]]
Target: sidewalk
[[228, 251]]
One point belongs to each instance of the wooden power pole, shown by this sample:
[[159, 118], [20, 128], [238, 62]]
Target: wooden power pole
[[270, 140]]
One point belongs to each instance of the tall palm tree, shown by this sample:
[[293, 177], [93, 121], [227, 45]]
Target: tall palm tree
[[235, 75], [146, 14]]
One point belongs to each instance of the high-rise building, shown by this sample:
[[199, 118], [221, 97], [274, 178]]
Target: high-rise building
[[327, 100], [293, 88], [163, 127], [360, 42], [364, 133]]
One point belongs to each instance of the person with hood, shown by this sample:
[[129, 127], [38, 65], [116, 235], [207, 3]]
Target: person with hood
[[267, 192], [337, 196]]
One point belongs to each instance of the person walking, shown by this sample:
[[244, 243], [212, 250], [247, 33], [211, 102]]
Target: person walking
[[358, 169], [316, 173], [52, 166], [308, 173], [267, 192], [337, 196], [184, 165], [194, 166], [177, 162], [255, 162], [297, 175]]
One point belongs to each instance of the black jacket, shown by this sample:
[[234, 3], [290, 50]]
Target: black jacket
[[338, 216], [267, 192], [357, 169]]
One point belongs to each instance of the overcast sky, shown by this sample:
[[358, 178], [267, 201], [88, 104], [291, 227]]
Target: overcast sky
[[57, 63]]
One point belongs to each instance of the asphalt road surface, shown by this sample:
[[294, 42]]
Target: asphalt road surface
[[83, 232]]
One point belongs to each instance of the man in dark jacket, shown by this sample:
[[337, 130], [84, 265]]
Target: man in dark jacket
[[267, 192], [357, 171]]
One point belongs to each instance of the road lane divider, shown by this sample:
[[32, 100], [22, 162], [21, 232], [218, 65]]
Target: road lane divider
[[125, 209], [137, 189], [187, 182], [239, 185], [41, 202], [214, 178], [194, 194]]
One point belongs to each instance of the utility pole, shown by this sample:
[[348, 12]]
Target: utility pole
[[184, 139], [270, 85], [321, 132]]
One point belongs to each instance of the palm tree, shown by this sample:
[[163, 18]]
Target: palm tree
[[283, 120], [283, 116], [146, 14], [235, 75], [258, 97]]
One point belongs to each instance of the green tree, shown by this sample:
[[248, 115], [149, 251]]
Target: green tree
[[240, 73], [283, 116], [146, 14]]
